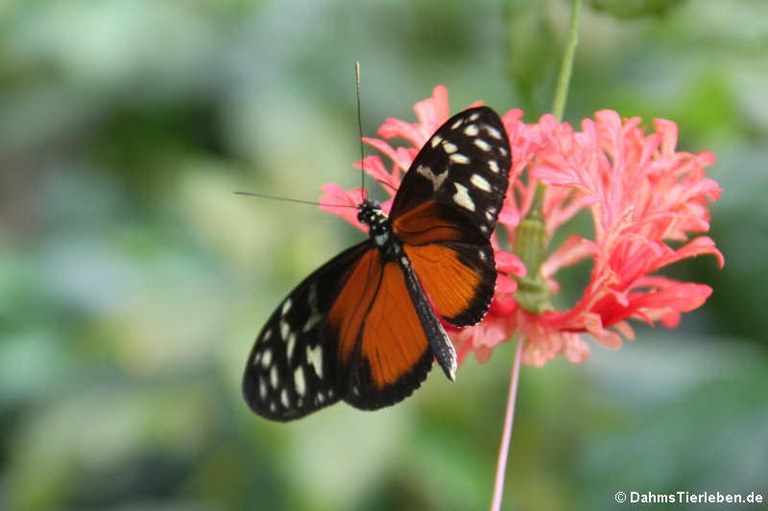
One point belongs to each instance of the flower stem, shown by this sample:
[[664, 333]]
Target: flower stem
[[566, 66], [506, 437]]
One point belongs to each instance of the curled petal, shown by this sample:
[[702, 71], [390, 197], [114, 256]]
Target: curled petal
[[703, 245], [508, 263]]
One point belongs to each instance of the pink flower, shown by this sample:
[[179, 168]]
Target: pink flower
[[645, 200]]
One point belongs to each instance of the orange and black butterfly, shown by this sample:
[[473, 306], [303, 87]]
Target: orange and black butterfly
[[364, 327]]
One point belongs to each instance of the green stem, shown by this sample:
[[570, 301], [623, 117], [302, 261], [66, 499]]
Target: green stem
[[566, 66], [536, 297], [531, 244]]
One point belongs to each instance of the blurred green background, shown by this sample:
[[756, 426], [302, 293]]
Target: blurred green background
[[132, 281]]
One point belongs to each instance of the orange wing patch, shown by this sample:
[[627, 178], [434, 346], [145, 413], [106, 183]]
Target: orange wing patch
[[349, 310], [451, 285], [376, 303], [393, 339], [433, 236], [426, 223]]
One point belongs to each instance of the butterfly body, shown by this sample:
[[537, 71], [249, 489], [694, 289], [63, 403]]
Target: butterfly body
[[364, 327]]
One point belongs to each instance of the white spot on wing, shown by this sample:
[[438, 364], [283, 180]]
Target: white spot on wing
[[458, 158], [285, 330], [482, 144], [314, 317], [457, 124], [284, 398], [298, 381], [315, 359], [266, 358], [436, 140], [475, 116], [493, 132], [291, 344], [471, 130], [435, 179], [449, 147], [312, 321], [262, 389], [462, 198], [493, 166], [480, 182], [286, 306], [274, 378]]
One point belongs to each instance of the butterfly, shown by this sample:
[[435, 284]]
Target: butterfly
[[364, 327]]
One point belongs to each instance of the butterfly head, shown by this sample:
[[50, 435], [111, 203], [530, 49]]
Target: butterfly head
[[369, 212], [366, 209]]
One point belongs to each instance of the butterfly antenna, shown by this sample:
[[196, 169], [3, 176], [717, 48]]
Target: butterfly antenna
[[362, 158], [386, 185], [360, 126], [288, 199]]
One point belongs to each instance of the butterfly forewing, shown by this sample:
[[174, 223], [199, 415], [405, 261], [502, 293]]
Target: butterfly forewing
[[292, 369], [463, 166]]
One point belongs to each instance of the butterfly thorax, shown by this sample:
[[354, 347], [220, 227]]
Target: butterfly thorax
[[380, 230]]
